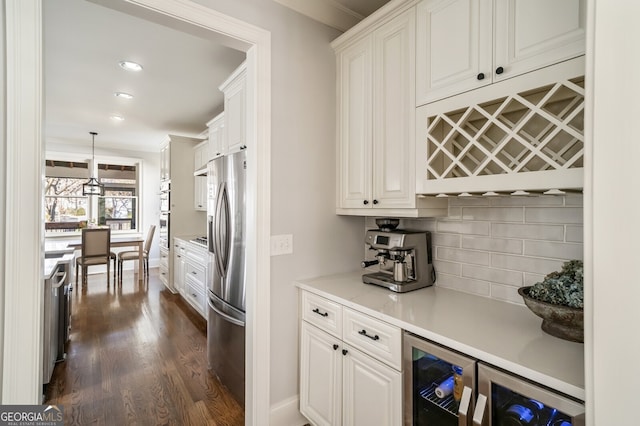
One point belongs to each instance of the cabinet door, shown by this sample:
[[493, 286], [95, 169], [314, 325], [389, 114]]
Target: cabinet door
[[235, 115], [454, 43], [394, 113], [200, 193], [534, 34], [178, 269], [216, 139], [354, 125], [372, 391], [320, 376]]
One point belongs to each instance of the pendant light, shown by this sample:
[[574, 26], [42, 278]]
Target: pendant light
[[93, 186]]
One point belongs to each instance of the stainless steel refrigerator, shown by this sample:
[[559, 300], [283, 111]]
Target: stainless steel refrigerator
[[226, 177]]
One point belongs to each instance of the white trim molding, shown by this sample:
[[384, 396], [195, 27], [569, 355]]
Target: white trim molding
[[23, 305], [24, 224], [328, 12]]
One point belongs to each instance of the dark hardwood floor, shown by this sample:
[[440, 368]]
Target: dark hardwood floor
[[137, 356]]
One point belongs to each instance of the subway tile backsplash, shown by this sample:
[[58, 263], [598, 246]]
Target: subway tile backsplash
[[492, 246]]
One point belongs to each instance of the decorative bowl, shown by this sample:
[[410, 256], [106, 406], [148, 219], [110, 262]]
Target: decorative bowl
[[560, 321]]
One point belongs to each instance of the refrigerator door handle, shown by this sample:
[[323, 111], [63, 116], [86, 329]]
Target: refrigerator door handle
[[227, 317], [225, 234], [465, 404], [479, 412], [216, 246]]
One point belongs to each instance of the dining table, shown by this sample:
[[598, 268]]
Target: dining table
[[122, 241]]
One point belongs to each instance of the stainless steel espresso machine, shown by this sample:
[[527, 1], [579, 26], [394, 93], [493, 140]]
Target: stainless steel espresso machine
[[403, 257]]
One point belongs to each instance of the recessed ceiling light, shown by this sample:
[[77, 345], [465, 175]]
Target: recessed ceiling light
[[116, 117], [123, 95], [130, 66]]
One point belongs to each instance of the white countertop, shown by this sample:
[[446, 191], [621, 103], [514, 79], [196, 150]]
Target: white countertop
[[52, 247], [500, 333]]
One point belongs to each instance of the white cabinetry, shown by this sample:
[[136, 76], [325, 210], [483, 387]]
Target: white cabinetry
[[350, 366], [178, 264], [195, 277], [165, 162], [200, 159], [163, 268], [376, 116], [216, 136], [200, 156], [177, 166], [466, 44], [235, 110]]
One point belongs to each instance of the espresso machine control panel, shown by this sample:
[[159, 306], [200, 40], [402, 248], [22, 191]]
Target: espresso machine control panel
[[403, 259]]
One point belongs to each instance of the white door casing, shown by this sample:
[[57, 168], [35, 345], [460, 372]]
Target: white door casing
[[22, 343]]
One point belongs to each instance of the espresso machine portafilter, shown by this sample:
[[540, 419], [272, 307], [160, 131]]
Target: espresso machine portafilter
[[403, 258]]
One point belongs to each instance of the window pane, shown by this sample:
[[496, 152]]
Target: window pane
[[119, 213], [118, 208], [66, 209]]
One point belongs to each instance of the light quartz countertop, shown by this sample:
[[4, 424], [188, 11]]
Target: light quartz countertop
[[56, 253], [503, 334]]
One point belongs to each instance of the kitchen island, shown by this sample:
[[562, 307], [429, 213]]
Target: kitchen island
[[506, 335]]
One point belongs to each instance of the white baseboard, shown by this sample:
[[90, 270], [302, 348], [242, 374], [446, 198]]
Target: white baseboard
[[287, 413]]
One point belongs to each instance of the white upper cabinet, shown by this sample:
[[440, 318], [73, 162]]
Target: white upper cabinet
[[216, 136], [466, 44], [376, 118], [235, 114]]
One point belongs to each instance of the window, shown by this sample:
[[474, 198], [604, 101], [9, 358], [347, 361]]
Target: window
[[67, 210], [118, 207]]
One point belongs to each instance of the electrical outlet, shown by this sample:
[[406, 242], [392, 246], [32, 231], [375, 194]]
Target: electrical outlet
[[281, 244]]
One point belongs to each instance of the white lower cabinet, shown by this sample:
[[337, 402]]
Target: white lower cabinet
[[164, 268], [340, 383], [178, 264]]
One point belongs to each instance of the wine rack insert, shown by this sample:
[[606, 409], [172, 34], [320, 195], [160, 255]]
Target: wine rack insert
[[525, 139]]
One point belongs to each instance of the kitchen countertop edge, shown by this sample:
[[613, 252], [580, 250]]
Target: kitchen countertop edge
[[521, 349]]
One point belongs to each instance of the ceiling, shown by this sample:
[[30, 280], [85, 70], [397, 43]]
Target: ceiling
[[177, 90]]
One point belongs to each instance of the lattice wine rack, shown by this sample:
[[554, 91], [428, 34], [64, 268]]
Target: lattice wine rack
[[528, 140]]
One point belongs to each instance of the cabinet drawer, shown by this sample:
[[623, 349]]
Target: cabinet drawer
[[196, 273], [195, 295], [374, 337], [323, 313]]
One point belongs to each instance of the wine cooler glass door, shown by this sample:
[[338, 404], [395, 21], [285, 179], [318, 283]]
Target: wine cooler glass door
[[439, 384], [512, 401]]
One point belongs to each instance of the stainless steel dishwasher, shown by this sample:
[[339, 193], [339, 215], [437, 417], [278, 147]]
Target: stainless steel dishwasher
[[54, 310]]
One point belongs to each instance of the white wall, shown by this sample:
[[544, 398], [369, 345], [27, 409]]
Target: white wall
[[303, 172], [149, 185]]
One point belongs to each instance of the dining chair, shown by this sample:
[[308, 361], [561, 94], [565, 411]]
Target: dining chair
[[133, 254], [95, 250]]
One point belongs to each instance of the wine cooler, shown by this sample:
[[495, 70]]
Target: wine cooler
[[445, 388]]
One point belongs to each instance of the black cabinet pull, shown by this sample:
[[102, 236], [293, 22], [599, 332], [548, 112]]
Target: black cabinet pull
[[481, 76], [375, 201], [335, 347], [344, 351], [363, 332], [324, 314], [499, 70], [365, 202]]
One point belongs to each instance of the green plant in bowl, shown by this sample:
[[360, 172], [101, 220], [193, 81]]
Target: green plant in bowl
[[559, 301]]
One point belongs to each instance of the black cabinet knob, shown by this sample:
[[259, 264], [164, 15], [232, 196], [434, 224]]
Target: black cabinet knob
[[335, 347], [499, 70], [481, 76], [375, 201], [365, 202], [344, 351]]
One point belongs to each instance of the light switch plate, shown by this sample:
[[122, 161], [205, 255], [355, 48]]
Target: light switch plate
[[281, 244]]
